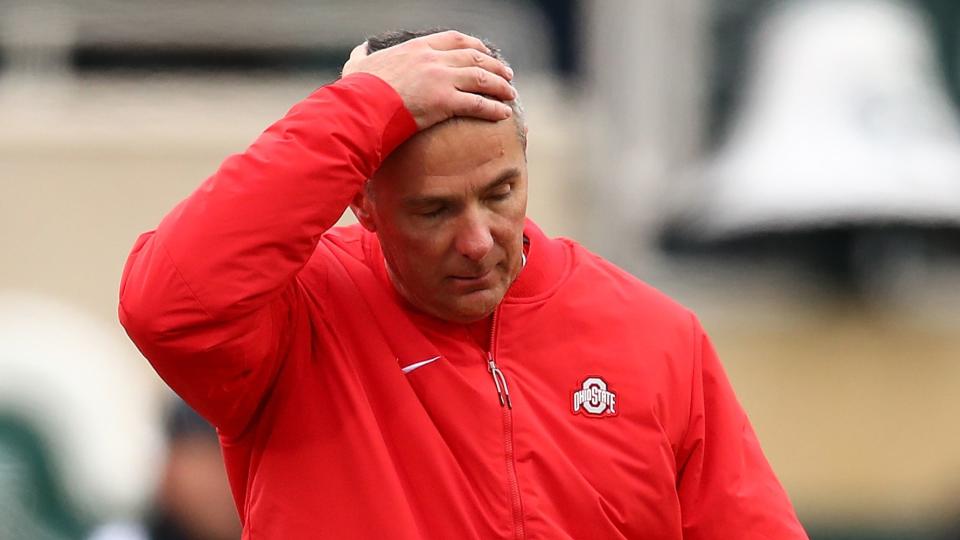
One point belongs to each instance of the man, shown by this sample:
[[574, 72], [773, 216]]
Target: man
[[443, 369]]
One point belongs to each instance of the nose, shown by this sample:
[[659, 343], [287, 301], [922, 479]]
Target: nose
[[474, 238]]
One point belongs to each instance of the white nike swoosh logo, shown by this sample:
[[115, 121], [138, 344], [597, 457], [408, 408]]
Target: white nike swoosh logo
[[419, 364]]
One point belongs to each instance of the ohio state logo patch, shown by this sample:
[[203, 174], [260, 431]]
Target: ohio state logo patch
[[595, 398]]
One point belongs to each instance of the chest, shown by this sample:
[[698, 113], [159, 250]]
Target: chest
[[570, 436], [566, 424]]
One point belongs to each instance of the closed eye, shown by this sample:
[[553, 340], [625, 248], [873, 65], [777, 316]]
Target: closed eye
[[433, 213], [502, 192]]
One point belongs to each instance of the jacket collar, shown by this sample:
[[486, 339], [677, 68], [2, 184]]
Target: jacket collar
[[548, 263]]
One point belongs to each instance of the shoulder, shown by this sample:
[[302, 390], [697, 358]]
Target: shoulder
[[618, 305], [337, 247], [623, 292], [349, 239], [646, 337]]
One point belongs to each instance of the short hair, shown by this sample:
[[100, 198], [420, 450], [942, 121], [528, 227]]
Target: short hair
[[390, 38]]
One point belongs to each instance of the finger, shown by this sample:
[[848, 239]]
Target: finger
[[473, 57], [477, 80], [359, 51], [477, 106], [451, 39]]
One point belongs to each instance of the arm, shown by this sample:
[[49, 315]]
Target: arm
[[727, 489], [210, 296]]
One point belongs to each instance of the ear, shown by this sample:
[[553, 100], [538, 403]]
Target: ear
[[362, 207]]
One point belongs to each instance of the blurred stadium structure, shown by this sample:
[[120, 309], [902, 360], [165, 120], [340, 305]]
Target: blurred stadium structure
[[111, 111], [846, 150]]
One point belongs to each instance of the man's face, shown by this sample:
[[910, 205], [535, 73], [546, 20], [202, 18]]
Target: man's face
[[448, 207]]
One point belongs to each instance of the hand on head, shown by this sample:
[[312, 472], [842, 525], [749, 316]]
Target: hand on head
[[440, 76]]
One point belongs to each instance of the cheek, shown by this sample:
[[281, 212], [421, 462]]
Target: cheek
[[513, 220], [416, 255], [522, 202], [514, 211]]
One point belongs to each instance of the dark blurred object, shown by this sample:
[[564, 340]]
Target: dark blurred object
[[565, 31], [868, 262], [292, 36], [871, 533], [952, 530], [193, 500]]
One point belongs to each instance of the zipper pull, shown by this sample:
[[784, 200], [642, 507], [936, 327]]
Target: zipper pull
[[500, 381]]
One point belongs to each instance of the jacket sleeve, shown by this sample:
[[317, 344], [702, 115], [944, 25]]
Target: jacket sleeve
[[209, 296], [727, 488]]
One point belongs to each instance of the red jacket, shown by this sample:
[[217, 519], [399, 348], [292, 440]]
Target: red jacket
[[344, 413]]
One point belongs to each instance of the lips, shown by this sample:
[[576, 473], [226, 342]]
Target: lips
[[473, 276], [474, 281]]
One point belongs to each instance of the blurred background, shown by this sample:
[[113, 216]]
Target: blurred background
[[788, 169]]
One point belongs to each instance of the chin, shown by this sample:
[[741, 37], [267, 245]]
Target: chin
[[474, 309], [463, 318]]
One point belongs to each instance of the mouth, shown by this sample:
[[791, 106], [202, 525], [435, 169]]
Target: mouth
[[474, 281]]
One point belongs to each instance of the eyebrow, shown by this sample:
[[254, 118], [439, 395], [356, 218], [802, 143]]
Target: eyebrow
[[415, 201]]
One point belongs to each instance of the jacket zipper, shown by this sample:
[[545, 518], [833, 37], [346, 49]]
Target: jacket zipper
[[506, 408], [503, 391]]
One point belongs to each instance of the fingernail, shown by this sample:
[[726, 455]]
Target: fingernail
[[509, 72]]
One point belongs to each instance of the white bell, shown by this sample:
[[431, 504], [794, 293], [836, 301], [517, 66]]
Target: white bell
[[845, 122]]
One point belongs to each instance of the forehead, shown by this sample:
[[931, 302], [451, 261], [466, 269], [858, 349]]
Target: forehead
[[452, 155]]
